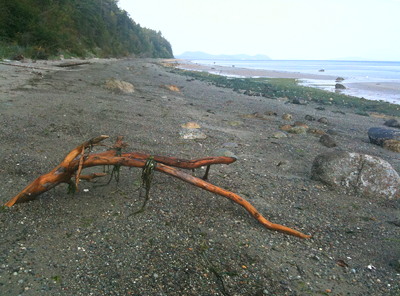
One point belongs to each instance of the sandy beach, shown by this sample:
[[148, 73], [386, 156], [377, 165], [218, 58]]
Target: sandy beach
[[187, 241]]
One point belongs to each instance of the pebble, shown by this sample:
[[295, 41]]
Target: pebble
[[301, 124], [190, 124], [271, 113], [309, 118], [287, 116], [286, 127], [327, 141], [323, 120], [316, 132], [297, 130], [192, 134], [279, 135]]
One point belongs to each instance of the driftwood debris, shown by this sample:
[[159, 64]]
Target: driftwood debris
[[82, 157], [72, 64]]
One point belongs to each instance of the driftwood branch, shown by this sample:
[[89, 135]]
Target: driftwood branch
[[79, 158]]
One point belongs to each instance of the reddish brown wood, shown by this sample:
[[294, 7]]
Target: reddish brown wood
[[77, 160]]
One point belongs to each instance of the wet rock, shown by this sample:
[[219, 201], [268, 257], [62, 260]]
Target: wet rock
[[190, 124], [119, 86], [378, 135], [355, 173], [339, 86], [192, 134], [279, 135], [339, 79], [309, 118], [392, 145], [327, 141], [392, 123], [323, 120], [287, 116]]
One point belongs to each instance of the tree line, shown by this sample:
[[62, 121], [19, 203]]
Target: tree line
[[42, 28]]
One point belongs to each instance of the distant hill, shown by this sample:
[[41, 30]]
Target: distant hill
[[198, 55], [39, 29]]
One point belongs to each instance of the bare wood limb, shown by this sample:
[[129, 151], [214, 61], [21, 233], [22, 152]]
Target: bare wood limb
[[72, 64], [76, 161]]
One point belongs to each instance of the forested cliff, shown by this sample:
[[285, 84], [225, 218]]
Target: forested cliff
[[43, 28]]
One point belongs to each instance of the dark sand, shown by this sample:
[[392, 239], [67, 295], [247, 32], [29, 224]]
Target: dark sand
[[188, 241]]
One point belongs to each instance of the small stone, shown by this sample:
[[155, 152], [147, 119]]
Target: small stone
[[316, 132], [287, 116], [392, 123], [192, 134], [235, 123], [170, 87], [279, 135], [191, 124], [270, 113], [297, 130], [327, 141], [309, 118], [339, 86], [119, 86], [286, 127], [323, 120], [299, 123], [299, 102], [332, 132]]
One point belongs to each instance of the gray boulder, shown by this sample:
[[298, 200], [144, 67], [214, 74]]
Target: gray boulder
[[378, 135], [355, 173], [392, 123]]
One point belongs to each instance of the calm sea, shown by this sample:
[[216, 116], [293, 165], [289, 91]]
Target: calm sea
[[371, 80]]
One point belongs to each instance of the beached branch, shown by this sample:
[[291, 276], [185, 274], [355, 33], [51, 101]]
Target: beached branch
[[81, 157]]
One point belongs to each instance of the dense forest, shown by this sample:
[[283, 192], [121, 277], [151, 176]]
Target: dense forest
[[44, 28]]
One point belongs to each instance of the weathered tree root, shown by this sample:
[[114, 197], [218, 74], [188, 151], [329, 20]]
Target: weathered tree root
[[72, 165]]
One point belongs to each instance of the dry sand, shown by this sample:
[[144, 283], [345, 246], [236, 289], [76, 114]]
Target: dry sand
[[188, 241]]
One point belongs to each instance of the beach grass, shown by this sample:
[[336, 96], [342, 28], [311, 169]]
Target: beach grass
[[289, 88]]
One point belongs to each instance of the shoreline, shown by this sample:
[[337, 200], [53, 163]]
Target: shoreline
[[374, 90]]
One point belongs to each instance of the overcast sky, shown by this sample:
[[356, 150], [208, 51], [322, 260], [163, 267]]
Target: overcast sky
[[281, 29]]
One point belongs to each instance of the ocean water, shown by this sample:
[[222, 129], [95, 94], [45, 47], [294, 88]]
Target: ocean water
[[371, 80]]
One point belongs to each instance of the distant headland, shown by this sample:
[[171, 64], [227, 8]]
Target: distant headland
[[198, 55]]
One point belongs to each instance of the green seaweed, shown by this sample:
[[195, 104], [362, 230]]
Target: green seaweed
[[289, 88]]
